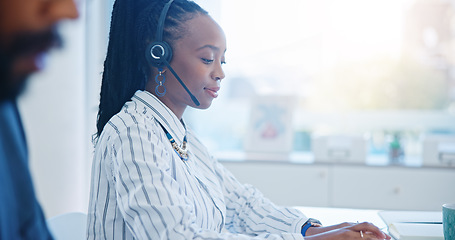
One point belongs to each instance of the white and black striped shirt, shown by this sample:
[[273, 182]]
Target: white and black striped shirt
[[141, 189]]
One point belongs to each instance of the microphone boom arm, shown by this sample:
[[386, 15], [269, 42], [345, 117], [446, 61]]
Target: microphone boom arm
[[181, 83]]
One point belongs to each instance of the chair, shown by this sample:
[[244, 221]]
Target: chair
[[68, 226]]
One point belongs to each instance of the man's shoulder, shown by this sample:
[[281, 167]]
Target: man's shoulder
[[21, 216], [13, 145], [8, 110]]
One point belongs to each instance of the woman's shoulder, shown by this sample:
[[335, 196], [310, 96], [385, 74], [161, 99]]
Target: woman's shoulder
[[130, 117]]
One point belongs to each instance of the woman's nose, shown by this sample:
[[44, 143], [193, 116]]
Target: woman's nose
[[218, 74]]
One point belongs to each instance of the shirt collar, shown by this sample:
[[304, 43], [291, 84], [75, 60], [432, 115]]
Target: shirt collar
[[162, 114]]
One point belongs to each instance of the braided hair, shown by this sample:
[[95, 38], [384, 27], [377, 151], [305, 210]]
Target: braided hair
[[133, 27]]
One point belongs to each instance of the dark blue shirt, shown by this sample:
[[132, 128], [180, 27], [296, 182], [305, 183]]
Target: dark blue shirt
[[21, 216]]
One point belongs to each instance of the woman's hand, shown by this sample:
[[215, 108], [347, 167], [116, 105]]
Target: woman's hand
[[317, 230], [342, 231]]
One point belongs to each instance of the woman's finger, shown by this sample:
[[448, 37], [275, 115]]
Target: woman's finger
[[367, 227]]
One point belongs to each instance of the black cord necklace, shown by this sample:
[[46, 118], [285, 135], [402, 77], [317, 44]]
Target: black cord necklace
[[181, 151]]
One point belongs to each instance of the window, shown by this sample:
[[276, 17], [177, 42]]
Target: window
[[376, 68]]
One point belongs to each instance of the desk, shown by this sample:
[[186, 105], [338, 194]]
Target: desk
[[331, 216]]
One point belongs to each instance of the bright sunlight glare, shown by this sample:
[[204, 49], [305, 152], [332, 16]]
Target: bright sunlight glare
[[346, 30]]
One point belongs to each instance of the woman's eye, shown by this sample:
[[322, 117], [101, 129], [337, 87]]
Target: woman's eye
[[207, 61]]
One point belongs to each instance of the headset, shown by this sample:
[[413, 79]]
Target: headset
[[159, 53]]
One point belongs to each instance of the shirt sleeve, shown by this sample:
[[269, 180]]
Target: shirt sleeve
[[152, 203], [248, 211]]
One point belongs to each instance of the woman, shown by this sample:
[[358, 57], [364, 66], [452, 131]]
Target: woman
[[152, 178]]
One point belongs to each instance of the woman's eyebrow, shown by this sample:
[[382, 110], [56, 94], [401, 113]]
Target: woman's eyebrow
[[214, 48]]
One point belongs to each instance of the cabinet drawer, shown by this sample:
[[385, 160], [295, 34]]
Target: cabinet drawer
[[392, 187]]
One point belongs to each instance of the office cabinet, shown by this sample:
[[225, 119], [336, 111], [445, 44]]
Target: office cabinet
[[400, 188], [285, 184], [349, 185]]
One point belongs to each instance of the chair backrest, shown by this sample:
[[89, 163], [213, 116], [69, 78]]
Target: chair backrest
[[68, 226]]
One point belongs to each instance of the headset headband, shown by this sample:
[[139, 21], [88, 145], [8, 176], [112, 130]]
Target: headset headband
[[164, 51], [159, 30]]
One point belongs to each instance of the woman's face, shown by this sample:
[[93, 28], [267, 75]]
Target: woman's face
[[197, 59]]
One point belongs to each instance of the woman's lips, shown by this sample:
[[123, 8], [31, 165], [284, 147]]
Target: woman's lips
[[213, 92]]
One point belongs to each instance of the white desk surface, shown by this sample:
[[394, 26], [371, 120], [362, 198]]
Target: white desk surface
[[331, 216]]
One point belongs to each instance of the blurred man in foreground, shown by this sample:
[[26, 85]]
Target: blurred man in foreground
[[27, 32]]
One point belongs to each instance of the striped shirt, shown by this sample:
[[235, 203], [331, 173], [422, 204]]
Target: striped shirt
[[141, 189]]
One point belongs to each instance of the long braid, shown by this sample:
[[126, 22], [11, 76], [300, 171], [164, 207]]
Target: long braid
[[117, 76], [133, 27]]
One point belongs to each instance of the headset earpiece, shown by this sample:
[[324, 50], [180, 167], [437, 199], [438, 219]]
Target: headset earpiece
[[159, 52]]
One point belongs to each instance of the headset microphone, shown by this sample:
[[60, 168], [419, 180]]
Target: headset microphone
[[181, 82], [159, 53]]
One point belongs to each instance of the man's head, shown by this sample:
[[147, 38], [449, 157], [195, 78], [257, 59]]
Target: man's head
[[27, 32]]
